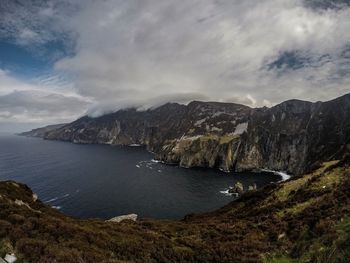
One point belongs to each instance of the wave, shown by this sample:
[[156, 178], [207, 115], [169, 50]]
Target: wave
[[56, 198], [283, 175], [227, 193], [51, 200]]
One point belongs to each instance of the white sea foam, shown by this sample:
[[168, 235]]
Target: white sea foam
[[51, 200], [56, 198], [283, 175], [138, 166], [56, 207], [223, 170], [227, 193]]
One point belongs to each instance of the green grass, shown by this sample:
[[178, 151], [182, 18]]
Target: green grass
[[330, 179], [325, 179], [297, 208], [283, 193]]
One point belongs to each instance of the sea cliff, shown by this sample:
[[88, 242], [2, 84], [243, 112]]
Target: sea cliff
[[292, 136]]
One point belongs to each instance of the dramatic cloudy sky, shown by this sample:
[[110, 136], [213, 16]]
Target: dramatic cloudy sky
[[61, 59]]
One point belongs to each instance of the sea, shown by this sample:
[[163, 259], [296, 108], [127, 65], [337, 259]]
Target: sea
[[102, 181]]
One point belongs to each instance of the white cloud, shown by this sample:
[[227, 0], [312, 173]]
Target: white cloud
[[27, 36], [35, 106], [148, 52], [9, 84], [22, 102], [139, 50]]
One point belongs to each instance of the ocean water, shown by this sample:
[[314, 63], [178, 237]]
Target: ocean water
[[100, 181]]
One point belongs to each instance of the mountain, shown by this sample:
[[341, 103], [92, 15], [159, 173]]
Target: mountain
[[293, 136], [305, 219], [40, 132]]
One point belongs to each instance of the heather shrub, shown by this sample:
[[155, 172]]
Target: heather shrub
[[32, 249], [5, 226]]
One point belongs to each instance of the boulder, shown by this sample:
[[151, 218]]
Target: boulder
[[10, 258], [238, 188], [252, 187], [121, 218]]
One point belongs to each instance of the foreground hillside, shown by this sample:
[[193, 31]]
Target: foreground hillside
[[292, 136], [306, 219]]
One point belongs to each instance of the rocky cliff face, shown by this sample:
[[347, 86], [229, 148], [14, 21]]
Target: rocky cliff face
[[292, 136], [295, 135]]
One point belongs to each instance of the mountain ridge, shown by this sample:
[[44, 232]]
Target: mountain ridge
[[228, 136]]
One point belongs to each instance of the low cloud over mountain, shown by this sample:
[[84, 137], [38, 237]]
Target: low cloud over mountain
[[144, 53]]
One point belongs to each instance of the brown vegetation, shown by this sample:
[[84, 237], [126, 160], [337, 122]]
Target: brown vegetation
[[306, 219]]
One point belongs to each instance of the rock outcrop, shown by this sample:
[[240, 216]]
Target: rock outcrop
[[292, 136], [118, 219], [237, 189]]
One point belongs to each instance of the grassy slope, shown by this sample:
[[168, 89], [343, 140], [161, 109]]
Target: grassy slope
[[306, 219]]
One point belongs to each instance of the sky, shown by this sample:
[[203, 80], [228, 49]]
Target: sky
[[62, 59]]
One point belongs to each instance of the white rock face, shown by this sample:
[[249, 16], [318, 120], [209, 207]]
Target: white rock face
[[241, 128], [119, 219], [199, 122]]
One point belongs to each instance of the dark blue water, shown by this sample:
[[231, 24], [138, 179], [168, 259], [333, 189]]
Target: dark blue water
[[104, 181]]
